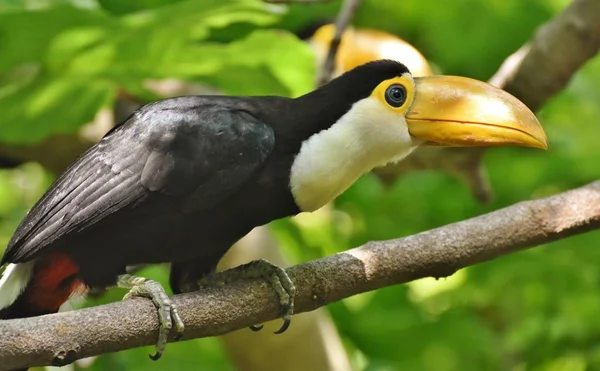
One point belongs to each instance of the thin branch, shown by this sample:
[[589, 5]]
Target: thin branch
[[344, 18], [64, 337], [542, 67]]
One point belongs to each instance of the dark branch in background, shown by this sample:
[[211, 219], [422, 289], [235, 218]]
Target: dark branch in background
[[65, 337], [344, 19]]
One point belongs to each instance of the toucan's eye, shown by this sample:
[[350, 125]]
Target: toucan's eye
[[395, 95]]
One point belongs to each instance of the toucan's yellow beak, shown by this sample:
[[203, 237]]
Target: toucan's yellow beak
[[458, 111]]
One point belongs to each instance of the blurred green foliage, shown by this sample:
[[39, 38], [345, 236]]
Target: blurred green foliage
[[63, 60]]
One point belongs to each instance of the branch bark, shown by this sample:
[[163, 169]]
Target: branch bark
[[542, 67], [62, 338]]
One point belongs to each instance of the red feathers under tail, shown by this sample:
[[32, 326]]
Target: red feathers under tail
[[53, 280]]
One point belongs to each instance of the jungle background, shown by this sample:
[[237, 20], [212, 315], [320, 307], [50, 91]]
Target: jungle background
[[67, 63]]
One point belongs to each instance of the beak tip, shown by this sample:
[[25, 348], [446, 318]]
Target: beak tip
[[538, 136]]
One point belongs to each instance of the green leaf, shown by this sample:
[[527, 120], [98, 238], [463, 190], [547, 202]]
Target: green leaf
[[80, 64], [26, 36], [264, 63], [120, 7], [51, 105]]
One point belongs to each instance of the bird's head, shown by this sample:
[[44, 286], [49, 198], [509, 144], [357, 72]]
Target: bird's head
[[378, 113], [362, 45]]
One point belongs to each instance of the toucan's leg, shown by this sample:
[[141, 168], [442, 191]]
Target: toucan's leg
[[276, 276], [167, 313]]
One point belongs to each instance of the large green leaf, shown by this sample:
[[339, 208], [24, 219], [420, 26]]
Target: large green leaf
[[81, 64], [264, 63], [26, 36], [51, 105], [130, 6]]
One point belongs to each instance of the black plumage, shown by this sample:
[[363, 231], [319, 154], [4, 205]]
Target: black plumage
[[183, 179]]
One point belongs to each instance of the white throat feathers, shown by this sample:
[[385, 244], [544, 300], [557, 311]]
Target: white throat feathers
[[367, 136]]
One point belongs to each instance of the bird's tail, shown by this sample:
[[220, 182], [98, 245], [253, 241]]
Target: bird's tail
[[13, 283], [38, 287]]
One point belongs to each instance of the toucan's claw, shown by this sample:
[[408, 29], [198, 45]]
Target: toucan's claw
[[276, 276], [167, 312], [286, 323]]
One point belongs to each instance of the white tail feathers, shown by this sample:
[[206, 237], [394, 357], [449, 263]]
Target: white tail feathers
[[13, 282]]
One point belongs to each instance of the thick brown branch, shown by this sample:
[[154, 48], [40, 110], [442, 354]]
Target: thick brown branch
[[65, 337]]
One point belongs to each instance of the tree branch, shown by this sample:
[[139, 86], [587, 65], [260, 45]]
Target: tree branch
[[64, 337], [542, 67], [344, 19]]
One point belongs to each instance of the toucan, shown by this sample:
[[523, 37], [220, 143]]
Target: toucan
[[361, 45], [182, 179]]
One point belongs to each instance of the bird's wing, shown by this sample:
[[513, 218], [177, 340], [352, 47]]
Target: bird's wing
[[171, 152]]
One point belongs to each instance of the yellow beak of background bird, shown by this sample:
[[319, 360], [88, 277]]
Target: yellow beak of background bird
[[459, 111]]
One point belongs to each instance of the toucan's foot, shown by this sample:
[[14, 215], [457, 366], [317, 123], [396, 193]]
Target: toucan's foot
[[167, 313], [276, 276]]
